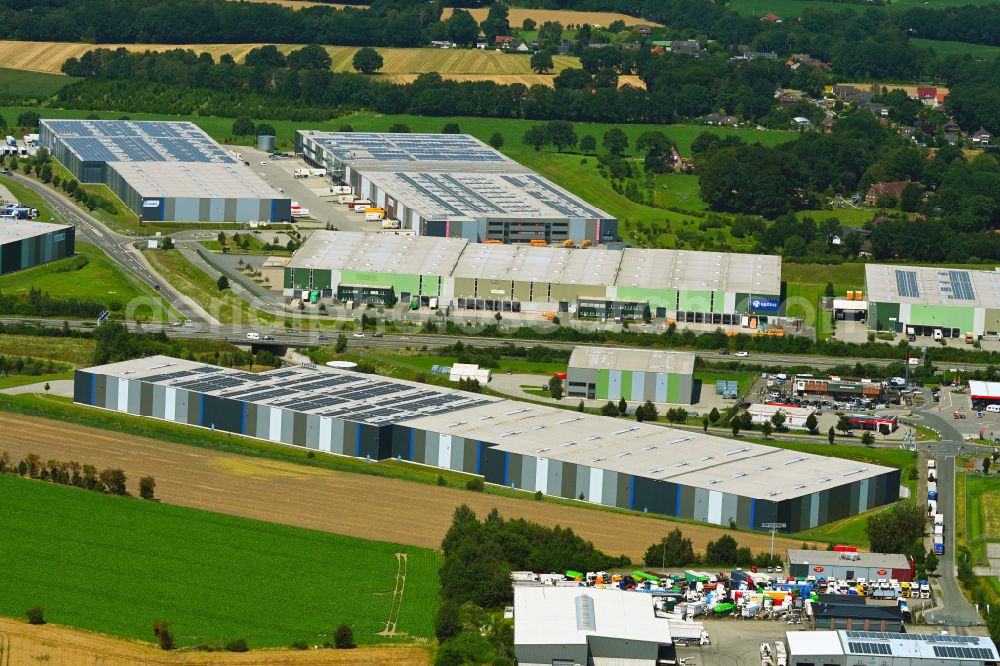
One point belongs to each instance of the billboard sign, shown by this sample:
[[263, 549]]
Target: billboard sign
[[764, 304]]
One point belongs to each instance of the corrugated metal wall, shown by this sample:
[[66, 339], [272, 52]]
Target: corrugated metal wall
[[530, 473]]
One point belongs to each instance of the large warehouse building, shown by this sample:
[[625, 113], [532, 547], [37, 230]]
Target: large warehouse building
[[599, 283], [164, 171], [25, 244], [927, 299], [849, 565], [605, 373], [454, 185], [608, 461]]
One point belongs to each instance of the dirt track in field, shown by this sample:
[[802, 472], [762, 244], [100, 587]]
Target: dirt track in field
[[24, 645], [353, 504]]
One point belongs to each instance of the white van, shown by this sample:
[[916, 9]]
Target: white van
[[993, 408], [253, 336], [938, 334]]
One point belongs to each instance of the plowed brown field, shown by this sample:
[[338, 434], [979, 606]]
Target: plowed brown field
[[353, 504], [26, 645]]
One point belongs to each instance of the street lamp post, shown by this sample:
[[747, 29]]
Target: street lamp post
[[773, 527]]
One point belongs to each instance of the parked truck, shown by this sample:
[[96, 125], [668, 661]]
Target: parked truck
[[780, 656], [932, 491], [340, 189], [939, 545], [374, 213], [359, 205], [390, 224], [689, 633]]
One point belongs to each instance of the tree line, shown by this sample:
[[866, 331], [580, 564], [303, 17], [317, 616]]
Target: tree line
[[386, 23], [110, 480], [479, 556], [36, 303]]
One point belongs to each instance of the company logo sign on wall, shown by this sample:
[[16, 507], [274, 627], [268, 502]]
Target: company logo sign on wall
[[763, 304], [817, 569], [151, 203], [881, 572]]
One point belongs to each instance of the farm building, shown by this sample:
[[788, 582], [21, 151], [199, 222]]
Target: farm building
[[453, 185], [531, 447], [578, 625], [849, 565], [164, 171], [847, 648], [927, 299], [25, 244], [386, 269], [605, 373]]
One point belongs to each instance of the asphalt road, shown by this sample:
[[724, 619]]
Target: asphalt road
[[953, 607], [117, 246]]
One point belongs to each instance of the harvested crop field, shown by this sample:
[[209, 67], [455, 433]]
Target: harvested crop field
[[22, 644], [49, 57], [380, 508]]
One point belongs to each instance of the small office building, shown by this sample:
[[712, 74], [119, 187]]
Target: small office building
[[556, 626], [849, 565], [25, 244], [795, 417], [610, 373], [876, 648]]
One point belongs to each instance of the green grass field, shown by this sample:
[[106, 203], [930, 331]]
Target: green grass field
[[22, 84], [792, 8], [117, 565], [806, 283], [679, 190], [12, 381], [983, 512], [945, 48], [100, 279], [75, 351]]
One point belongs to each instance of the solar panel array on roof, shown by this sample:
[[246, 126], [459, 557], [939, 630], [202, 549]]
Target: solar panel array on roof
[[354, 146], [957, 285], [355, 397], [142, 141], [958, 652], [906, 284]]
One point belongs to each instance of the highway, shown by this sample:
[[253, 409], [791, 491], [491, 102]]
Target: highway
[[117, 246]]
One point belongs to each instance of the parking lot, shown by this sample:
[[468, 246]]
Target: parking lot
[[311, 193]]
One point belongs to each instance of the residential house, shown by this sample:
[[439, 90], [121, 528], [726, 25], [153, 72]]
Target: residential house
[[827, 123], [879, 190], [630, 46], [981, 139], [805, 60], [442, 44], [481, 44], [504, 41], [788, 98], [803, 122], [521, 47], [878, 110], [720, 119], [690, 47], [927, 95], [951, 127], [771, 17], [852, 95], [642, 28]]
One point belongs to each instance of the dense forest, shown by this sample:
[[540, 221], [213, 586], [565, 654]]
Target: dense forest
[[184, 82]]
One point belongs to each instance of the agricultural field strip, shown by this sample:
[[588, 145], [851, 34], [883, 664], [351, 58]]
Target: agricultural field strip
[[300, 495], [49, 57]]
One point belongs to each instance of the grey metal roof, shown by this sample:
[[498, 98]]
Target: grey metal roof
[[687, 457], [688, 270], [640, 360], [917, 648], [927, 285], [833, 558], [450, 176], [12, 231], [455, 257]]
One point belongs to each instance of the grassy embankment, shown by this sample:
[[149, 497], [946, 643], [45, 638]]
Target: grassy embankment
[[117, 565]]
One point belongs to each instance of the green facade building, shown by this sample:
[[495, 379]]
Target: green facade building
[[637, 375]]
